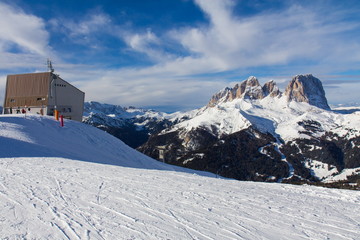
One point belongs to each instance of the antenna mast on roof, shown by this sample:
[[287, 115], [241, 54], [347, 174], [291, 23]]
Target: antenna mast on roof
[[49, 65]]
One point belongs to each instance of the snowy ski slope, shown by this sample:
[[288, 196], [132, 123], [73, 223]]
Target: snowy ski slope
[[78, 182]]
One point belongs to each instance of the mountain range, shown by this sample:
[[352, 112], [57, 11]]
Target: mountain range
[[247, 132]]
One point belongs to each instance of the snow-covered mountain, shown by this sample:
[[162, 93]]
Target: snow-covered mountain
[[259, 133], [115, 192], [131, 125]]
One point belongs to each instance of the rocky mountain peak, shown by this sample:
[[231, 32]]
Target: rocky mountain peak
[[270, 88], [302, 88], [253, 89], [252, 82], [307, 88], [248, 89]]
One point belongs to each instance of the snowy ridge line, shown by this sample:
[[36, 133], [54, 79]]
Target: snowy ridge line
[[114, 115], [41, 136], [273, 115]]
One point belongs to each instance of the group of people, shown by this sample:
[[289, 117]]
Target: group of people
[[25, 110], [18, 111]]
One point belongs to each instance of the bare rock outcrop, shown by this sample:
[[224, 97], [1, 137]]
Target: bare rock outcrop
[[307, 88], [270, 88], [302, 88], [248, 89]]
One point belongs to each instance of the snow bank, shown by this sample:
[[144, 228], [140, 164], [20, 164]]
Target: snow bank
[[36, 136]]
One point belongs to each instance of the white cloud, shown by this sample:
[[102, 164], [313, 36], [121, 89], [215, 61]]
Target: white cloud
[[23, 40], [143, 88], [294, 34], [89, 24], [87, 30], [93, 23], [139, 42], [146, 43], [25, 31], [228, 42]]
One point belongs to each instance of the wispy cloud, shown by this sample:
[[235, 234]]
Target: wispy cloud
[[147, 43], [85, 30], [22, 38], [26, 31], [294, 34]]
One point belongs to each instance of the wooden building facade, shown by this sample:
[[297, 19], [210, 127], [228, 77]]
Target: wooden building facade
[[42, 93]]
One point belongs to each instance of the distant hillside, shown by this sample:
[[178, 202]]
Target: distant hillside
[[132, 125]]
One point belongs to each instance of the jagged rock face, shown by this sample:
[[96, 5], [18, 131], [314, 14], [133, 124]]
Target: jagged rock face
[[248, 89], [302, 88], [270, 88], [253, 90], [307, 88], [216, 97]]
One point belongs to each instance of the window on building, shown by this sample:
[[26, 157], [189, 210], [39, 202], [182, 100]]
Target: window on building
[[40, 99], [12, 100]]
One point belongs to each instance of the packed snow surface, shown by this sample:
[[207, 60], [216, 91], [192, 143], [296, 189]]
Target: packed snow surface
[[50, 190], [57, 198]]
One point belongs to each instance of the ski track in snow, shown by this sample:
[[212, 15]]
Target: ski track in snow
[[57, 198]]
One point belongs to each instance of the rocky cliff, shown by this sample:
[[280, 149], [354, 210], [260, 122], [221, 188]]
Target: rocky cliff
[[302, 88], [249, 89], [307, 88]]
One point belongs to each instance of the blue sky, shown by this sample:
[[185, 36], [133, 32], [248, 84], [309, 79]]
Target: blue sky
[[174, 54]]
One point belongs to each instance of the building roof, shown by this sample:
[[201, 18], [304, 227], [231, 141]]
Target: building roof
[[27, 85]]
